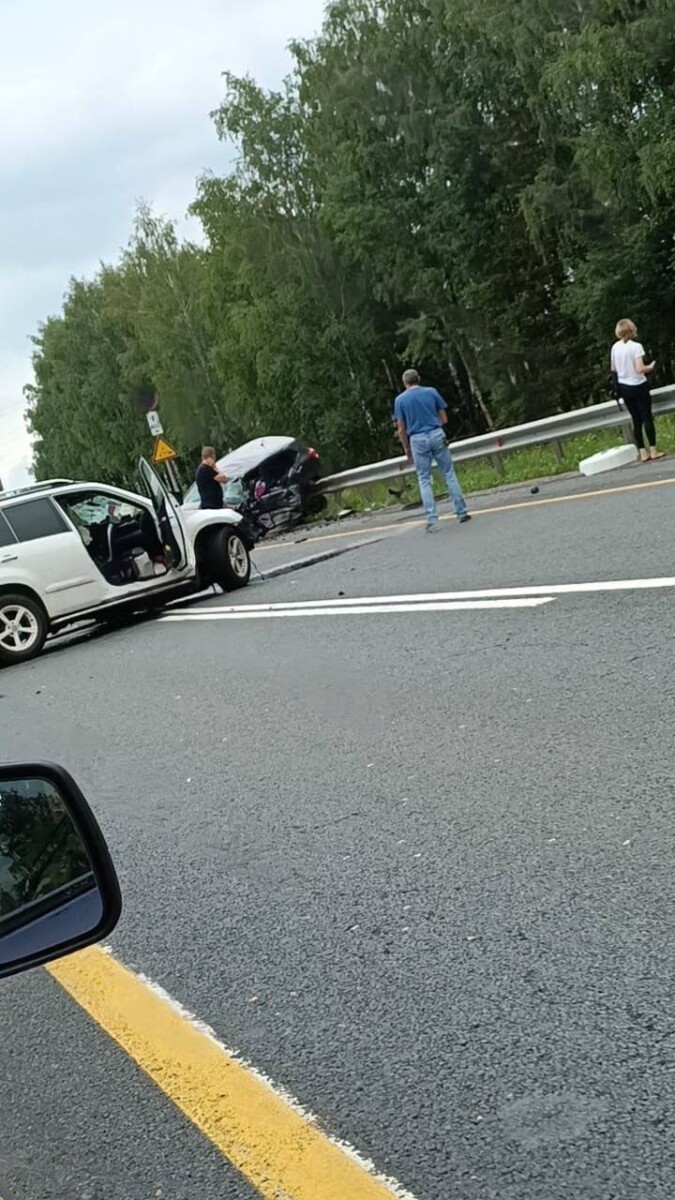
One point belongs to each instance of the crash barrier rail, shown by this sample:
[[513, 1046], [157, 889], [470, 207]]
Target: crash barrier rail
[[549, 431]]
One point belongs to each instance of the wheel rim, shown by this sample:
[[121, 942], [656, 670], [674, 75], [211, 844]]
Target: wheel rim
[[19, 628], [236, 552]]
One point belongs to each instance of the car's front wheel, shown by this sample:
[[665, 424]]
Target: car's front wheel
[[227, 559], [23, 628]]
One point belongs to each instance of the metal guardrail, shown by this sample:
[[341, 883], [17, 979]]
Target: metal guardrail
[[550, 430]]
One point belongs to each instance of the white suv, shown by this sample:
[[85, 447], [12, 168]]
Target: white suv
[[74, 551]]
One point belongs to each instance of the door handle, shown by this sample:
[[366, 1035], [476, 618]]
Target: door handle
[[9, 558]]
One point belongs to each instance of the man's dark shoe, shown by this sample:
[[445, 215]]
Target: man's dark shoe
[[463, 520]]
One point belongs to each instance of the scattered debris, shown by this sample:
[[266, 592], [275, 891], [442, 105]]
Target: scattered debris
[[534, 490]]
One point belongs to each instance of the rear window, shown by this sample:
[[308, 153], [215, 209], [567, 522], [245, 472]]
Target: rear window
[[33, 519], [272, 469], [6, 536]]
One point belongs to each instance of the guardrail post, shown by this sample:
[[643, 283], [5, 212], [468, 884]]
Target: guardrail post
[[558, 452], [497, 460]]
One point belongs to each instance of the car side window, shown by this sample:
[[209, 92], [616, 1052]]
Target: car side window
[[33, 519], [6, 536]]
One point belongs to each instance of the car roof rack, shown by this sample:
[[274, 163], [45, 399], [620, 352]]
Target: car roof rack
[[31, 488]]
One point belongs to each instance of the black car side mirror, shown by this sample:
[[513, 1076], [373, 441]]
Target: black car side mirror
[[58, 886]]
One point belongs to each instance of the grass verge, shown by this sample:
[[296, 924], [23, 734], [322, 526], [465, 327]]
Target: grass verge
[[520, 466]]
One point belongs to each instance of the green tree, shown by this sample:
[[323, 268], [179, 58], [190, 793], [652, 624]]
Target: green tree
[[477, 189], [80, 408]]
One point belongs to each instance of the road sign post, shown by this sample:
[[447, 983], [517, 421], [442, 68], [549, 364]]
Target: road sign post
[[162, 451]]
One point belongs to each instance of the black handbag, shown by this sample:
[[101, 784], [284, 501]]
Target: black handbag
[[612, 387]]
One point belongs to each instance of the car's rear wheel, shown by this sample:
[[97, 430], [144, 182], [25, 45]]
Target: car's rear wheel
[[23, 628], [227, 559]]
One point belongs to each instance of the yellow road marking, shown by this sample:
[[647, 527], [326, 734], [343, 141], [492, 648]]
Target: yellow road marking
[[613, 491], [282, 1153], [476, 512]]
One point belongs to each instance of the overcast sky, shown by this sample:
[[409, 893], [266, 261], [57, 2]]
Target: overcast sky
[[101, 106]]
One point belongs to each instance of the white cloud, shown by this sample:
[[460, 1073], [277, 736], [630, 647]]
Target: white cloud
[[72, 72], [18, 475], [15, 453], [101, 107], [27, 295]]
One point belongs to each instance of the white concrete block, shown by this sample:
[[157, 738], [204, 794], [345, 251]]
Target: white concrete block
[[608, 460]]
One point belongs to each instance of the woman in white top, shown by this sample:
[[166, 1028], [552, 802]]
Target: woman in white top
[[628, 360]]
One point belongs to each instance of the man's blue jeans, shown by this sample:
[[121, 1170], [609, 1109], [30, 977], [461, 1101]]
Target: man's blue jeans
[[427, 448]]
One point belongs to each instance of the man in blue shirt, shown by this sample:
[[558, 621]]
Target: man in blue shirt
[[420, 414]]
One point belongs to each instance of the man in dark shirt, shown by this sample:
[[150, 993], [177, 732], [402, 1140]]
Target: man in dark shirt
[[420, 414], [209, 481]]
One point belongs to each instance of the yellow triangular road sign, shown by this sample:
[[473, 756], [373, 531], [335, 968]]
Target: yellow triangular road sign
[[162, 451]]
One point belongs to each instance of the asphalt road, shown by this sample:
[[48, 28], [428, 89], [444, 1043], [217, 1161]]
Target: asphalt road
[[358, 528], [415, 866]]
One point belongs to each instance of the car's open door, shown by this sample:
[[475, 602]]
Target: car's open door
[[175, 544]]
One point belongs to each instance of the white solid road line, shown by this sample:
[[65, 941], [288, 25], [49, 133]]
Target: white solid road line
[[352, 610], [552, 589]]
